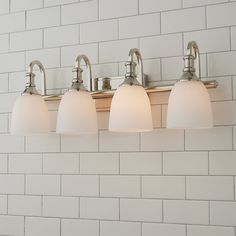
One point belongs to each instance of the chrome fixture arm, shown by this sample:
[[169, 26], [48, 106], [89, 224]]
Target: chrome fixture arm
[[77, 82], [192, 55], [131, 76], [135, 51], [30, 85]]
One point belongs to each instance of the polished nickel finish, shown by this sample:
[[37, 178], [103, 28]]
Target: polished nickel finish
[[102, 89], [130, 75], [193, 55], [77, 82], [30, 87]]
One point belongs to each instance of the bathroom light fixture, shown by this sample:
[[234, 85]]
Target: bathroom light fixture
[[130, 107], [130, 111], [30, 113], [77, 111], [189, 105]]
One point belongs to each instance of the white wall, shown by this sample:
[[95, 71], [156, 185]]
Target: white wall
[[165, 182]]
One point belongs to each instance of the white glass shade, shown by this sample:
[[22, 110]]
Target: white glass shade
[[130, 110], [189, 106], [30, 115], [77, 113]]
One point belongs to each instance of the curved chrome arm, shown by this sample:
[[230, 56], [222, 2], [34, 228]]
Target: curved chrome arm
[[30, 85], [135, 52], [193, 50], [79, 71]]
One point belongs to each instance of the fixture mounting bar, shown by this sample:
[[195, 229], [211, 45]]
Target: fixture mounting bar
[[103, 97]]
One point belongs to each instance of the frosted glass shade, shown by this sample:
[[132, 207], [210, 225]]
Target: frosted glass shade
[[189, 106], [130, 110], [77, 113], [30, 115]]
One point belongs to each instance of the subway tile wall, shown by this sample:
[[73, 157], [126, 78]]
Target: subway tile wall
[[166, 182]]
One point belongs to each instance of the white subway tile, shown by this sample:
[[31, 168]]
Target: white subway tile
[[3, 83], [12, 184], [224, 113], [3, 204], [49, 57], [24, 205], [137, 163], [114, 9], [225, 11], [234, 138], [81, 143], [12, 62], [70, 53], [185, 163], [57, 2], [141, 210], [161, 46], [233, 38], [61, 36], [98, 31], [175, 21], [61, 163], [163, 140], [3, 163], [206, 39], [25, 5], [7, 223], [12, 22], [190, 212], [137, 26], [61, 207], [41, 18], [43, 184], [86, 185], [171, 68], [222, 163], [26, 40], [217, 65], [120, 186], [17, 81], [74, 227], [147, 6], [42, 226], [4, 42], [193, 230], [218, 138], [4, 6], [43, 143], [25, 163], [99, 163], [153, 229], [194, 3], [99, 208], [153, 69], [120, 50], [210, 187], [109, 141], [79, 12], [117, 228], [7, 142], [163, 187], [223, 213]]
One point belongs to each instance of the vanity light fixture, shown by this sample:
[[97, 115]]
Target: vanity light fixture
[[130, 107], [189, 105], [30, 112], [77, 111]]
